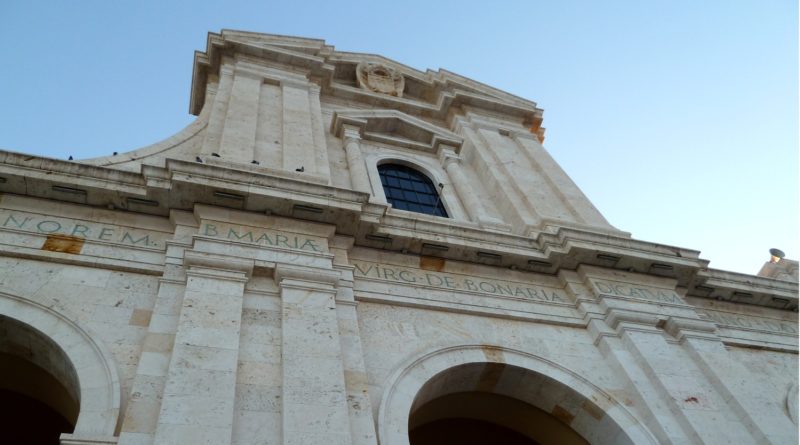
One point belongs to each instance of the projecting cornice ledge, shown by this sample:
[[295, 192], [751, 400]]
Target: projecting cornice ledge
[[742, 288], [545, 253], [42, 177], [179, 186], [182, 184]]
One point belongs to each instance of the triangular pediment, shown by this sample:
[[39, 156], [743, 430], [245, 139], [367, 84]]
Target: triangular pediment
[[395, 128]]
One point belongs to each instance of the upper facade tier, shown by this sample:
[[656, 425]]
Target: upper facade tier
[[371, 80], [296, 108]]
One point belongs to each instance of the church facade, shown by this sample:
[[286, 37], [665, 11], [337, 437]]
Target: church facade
[[341, 249]]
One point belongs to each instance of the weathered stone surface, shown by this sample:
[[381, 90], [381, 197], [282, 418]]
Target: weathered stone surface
[[247, 281]]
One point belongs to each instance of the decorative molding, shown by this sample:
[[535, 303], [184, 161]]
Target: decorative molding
[[196, 262], [304, 273], [380, 78], [395, 128]]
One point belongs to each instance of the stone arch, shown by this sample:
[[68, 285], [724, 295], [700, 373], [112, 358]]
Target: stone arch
[[607, 420], [93, 367]]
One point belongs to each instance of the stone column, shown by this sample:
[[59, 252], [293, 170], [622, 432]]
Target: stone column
[[355, 161], [199, 394], [314, 396], [474, 206]]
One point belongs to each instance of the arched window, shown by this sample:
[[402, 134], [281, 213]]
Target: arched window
[[408, 189]]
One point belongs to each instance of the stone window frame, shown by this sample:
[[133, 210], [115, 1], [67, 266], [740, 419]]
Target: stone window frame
[[427, 167]]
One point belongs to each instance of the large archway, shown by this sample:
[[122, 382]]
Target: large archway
[[477, 417], [38, 386], [57, 371], [525, 399]]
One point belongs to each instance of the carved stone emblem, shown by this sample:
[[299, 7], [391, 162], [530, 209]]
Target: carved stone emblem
[[380, 78]]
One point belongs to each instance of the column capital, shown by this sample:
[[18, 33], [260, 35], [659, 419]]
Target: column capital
[[681, 327], [218, 262], [448, 156], [304, 273], [350, 131]]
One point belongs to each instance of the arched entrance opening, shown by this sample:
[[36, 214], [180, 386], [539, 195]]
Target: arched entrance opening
[[468, 418], [480, 403], [39, 391], [520, 395]]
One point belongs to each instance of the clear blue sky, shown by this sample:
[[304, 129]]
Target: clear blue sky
[[679, 119]]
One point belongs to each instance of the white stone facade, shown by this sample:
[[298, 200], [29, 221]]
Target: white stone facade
[[246, 281]]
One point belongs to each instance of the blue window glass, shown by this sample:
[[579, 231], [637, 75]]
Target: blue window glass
[[408, 189]]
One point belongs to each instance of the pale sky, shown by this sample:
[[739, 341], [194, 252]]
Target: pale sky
[[678, 119]]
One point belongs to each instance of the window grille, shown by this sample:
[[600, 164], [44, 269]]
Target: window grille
[[408, 189]]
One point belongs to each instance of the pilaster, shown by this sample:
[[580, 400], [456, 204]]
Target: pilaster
[[199, 394], [219, 111], [558, 182], [314, 394], [500, 187], [323, 168], [298, 138], [359, 405], [475, 208], [764, 419], [672, 360], [239, 133], [141, 417]]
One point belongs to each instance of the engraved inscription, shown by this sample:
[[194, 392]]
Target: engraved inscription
[[84, 230], [263, 237], [457, 282], [748, 322], [636, 291]]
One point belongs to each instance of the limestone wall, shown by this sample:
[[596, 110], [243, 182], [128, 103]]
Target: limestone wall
[[247, 281]]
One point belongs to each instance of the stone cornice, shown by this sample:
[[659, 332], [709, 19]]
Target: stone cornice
[[742, 288], [182, 184]]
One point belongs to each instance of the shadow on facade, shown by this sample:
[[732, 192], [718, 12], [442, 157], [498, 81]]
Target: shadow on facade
[[469, 404], [39, 391]]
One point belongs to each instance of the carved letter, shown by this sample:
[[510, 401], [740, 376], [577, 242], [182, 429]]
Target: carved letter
[[16, 223], [127, 237]]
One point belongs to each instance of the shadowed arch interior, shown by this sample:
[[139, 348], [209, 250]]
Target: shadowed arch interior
[[39, 391], [501, 403]]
